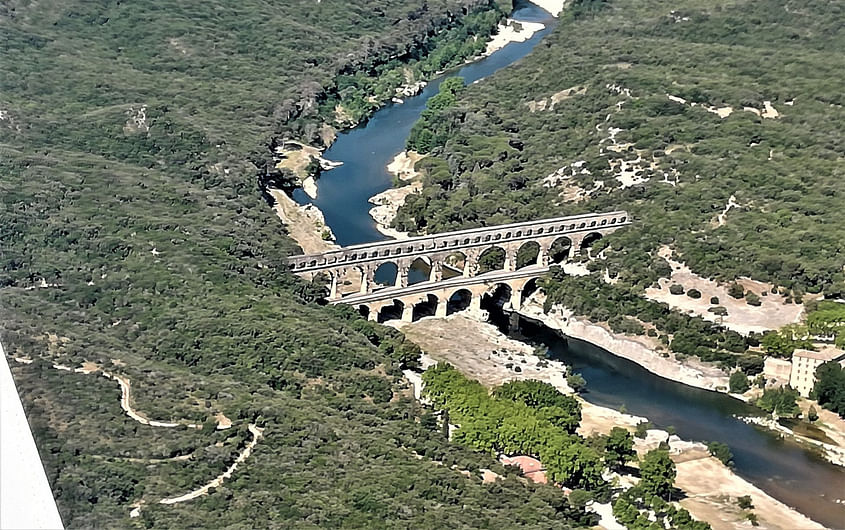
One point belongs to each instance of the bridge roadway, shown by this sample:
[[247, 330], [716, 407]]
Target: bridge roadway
[[574, 226], [467, 247], [437, 295]]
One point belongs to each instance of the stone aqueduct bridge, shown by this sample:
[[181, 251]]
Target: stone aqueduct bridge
[[452, 259]]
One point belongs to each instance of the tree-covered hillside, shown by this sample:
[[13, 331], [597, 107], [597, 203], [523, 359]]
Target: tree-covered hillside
[[133, 235], [675, 111]]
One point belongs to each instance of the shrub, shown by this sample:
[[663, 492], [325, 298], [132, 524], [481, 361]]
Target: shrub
[[739, 382], [744, 502], [829, 389], [676, 288], [751, 364], [642, 427], [752, 299], [722, 452], [780, 402], [576, 382], [719, 310], [736, 291], [714, 300], [694, 293], [812, 415]]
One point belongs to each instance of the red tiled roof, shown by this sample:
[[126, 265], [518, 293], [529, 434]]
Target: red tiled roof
[[531, 467]]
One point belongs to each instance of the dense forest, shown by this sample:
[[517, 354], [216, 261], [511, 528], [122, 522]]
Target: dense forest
[[676, 112], [134, 236]]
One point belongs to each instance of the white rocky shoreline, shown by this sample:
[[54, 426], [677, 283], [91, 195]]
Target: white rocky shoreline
[[562, 320]]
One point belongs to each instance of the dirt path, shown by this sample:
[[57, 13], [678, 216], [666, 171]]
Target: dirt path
[[125, 393], [721, 219], [256, 435], [126, 404]]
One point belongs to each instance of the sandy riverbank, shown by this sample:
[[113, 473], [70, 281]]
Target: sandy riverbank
[[640, 350], [296, 157], [481, 352], [832, 452], [511, 31], [554, 7], [387, 203], [305, 224], [713, 489]]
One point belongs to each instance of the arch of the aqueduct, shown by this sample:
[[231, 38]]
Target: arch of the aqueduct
[[443, 295], [358, 264]]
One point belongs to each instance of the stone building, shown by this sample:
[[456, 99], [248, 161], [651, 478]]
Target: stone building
[[777, 371], [804, 364]]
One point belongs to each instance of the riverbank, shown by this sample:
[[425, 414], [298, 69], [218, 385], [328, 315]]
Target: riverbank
[[305, 224], [711, 489], [388, 202], [511, 31], [641, 350], [482, 353], [832, 452], [553, 7]]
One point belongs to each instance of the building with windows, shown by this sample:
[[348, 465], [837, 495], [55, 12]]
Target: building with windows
[[804, 364]]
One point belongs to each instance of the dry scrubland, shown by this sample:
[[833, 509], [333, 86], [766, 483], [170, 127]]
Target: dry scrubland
[[133, 230]]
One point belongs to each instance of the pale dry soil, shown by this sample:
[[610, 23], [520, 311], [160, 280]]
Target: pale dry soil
[[554, 7], [550, 102], [829, 423], [773, 313], [712, 491], [481, 352], [768, 111], [387, 203], [305, 224], [296, 158], [511, 31]]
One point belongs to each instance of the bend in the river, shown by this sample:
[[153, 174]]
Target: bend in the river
[[786, 471]]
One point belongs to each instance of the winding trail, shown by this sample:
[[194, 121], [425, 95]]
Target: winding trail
[[125, 393], [126, 404], [256, 435], [721, 219]]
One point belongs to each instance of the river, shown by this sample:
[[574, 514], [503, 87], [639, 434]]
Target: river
[[786, 471]]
